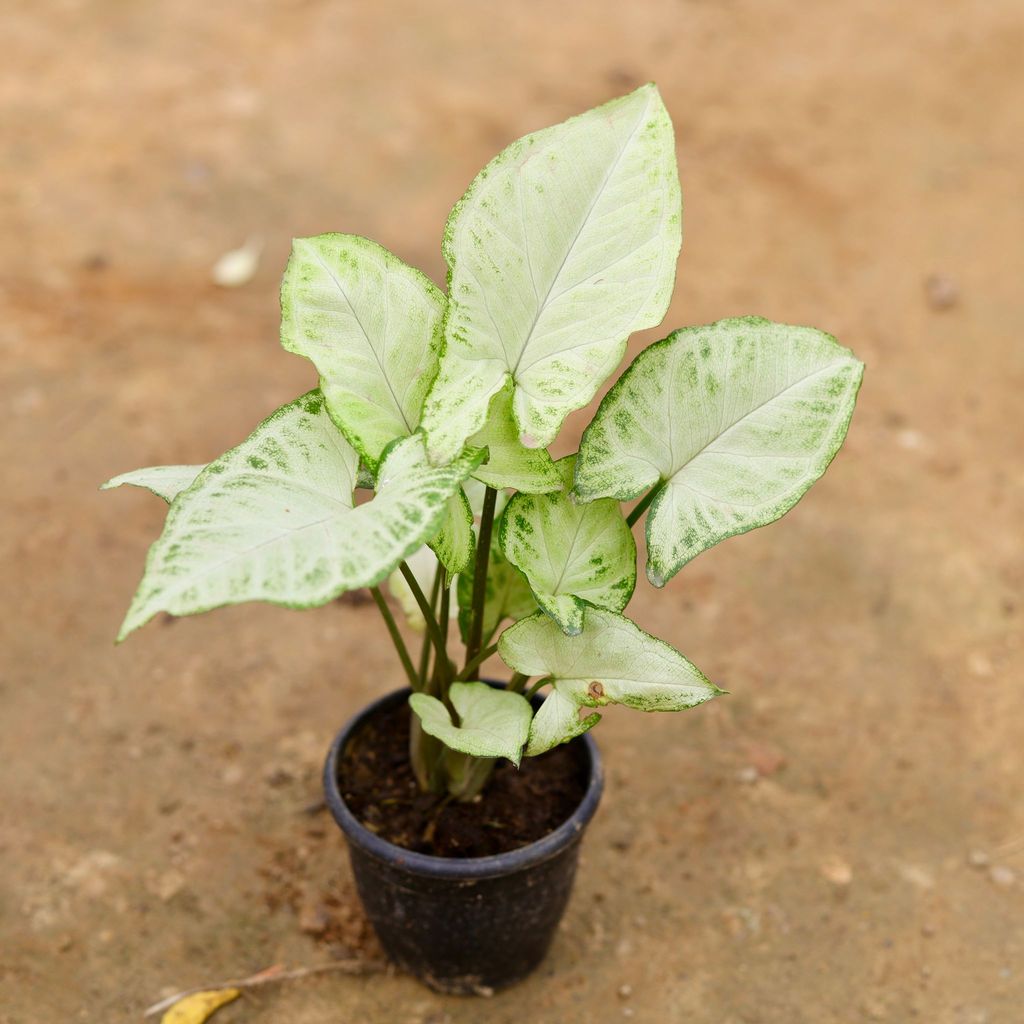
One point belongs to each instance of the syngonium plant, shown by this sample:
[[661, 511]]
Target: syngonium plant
[[564, 245]]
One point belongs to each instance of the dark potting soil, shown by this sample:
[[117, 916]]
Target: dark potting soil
[[517, 807]]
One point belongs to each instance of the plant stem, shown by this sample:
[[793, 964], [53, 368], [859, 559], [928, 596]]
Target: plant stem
[[472, 665], [425, 648], [444, 675], [396, 637], [536, 686], [516, 683], [483, 554], [428, 613], [641, 506]]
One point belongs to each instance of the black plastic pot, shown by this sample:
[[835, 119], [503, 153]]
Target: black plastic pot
[[469, 925]]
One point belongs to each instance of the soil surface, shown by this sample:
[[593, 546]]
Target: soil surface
[[841, 839], [515, 808]]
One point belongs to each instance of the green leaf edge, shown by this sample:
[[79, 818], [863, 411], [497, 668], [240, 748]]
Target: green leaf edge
[[579, 603], [389, 257], [418, 701], [470, 457], [467, 515], [447, 250], [828, 454]]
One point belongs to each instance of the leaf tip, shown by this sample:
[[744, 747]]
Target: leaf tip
[[655, 577]]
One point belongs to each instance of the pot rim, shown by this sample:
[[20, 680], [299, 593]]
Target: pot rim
[[454, 867]]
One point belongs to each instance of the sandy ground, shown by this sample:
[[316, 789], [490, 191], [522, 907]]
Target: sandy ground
[[842, 838]]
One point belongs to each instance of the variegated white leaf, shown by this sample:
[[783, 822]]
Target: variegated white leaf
[[274, 519], [372, 327], [165, 482], [492, 722], [563, 246], [509, 463], [612, 661], [455, 541], [573, 555], [733, 422]]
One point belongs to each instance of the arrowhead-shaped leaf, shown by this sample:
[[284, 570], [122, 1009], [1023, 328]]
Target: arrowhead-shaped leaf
[[573, 555], [563, 246], [274, 519], [734, 421], [372, 327], [492, 723], [612, 661], [509, 463], [165, 482]]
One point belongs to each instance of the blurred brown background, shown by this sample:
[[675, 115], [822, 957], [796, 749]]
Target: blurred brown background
[[842, 838]]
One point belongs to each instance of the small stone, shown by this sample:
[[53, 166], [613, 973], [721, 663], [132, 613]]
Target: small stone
[[911, 440], [625, 991], [1002, 876], [238, 266], [979, 664], [277, 777], [168, 885], [748, 776], [91, 875], [314, 919], [232, 775], [977, 859], [941, 291], [837, 871], [873, 1008], [917, 875]]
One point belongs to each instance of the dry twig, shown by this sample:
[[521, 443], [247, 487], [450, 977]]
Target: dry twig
[[274, 973]]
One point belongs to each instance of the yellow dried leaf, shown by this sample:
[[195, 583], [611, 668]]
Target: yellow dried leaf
[[199, 1006]]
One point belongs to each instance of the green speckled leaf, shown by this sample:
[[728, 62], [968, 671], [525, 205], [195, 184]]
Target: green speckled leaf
[[273, 519], [736, 420], [563, 246], [612, 661], [573, 555], [165, 482], [509, 464], [372, 327], [455, 542], [492, 723], [507, 594]]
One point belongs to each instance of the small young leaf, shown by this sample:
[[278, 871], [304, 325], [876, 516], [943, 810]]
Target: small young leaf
[[455, 541], [563, 246], [372, 327], [507, 594], [612, 661], [273, 519], [573, 555], [165, 482], [509, 464], [733, 421], [492, 723]]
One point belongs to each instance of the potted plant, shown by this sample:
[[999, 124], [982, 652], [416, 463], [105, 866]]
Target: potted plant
[[464, 801]]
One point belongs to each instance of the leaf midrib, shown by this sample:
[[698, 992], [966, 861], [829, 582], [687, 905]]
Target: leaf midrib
[[543, 305], [746, 415], [398, 406]]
